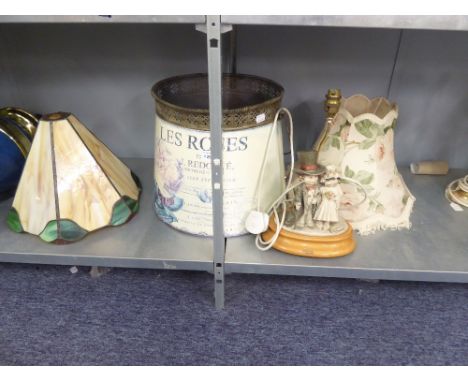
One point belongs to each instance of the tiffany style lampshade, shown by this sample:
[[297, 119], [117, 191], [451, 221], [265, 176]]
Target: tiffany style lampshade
[[71, 184]]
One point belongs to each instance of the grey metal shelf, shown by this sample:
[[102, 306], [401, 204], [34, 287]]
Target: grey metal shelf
[[144, 242], [435, 249], [387, 21], [175, 19]]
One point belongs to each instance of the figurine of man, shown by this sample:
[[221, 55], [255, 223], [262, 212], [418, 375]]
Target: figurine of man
[[308, 198], [290, 205]]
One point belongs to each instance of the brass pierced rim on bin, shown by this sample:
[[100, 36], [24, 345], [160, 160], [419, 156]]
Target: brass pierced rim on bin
[[261, 97]]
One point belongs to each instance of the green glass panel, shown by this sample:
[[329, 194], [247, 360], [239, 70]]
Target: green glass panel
[[60, 231], [70, 231], [132, 204], [50, 234], [13, 221], [121, 212]]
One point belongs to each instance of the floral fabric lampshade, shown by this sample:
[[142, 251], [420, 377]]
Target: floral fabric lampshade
[[71, 184], [360, 144]]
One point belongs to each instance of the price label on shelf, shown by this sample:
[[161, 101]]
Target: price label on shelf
[[260, 118]]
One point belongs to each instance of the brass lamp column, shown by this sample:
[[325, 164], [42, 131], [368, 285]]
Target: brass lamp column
[[332, 104]]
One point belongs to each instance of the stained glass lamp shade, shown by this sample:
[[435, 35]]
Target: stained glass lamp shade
[[71, 184]]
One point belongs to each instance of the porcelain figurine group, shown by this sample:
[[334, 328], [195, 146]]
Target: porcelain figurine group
[[314, 202], [313, 226]]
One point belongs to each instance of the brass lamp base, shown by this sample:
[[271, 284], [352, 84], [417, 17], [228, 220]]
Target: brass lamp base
[[312, 246]]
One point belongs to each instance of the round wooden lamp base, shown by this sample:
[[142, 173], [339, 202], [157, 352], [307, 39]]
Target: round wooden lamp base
[[312, 246]]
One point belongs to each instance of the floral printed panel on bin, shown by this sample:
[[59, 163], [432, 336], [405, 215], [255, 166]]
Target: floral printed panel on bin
[[360, 144]]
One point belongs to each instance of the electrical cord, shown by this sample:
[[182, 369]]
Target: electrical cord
[[264, 216], [280, 202]]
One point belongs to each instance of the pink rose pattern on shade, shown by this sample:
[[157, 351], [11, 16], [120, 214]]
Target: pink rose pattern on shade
[[363, 150], [344, 134]]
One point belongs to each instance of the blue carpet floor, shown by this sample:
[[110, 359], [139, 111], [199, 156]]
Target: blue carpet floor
[[49, 316]]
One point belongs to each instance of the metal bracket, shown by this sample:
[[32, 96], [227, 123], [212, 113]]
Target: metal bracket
[[224, 28], [213, 43], [219, 285]]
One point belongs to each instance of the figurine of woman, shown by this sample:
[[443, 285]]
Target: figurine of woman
[[327, 213]]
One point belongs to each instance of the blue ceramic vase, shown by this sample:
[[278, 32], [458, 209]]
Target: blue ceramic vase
[[11, 163], [15, 142]]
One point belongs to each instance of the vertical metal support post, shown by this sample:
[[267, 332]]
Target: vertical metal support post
[[213, 39], [233, 51]]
